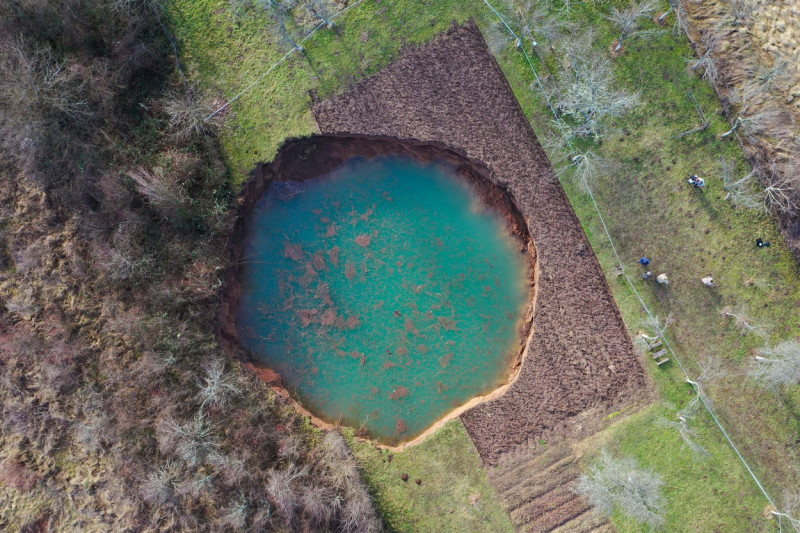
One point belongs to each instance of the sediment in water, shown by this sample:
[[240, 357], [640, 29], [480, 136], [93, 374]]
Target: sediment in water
[[311, 157]]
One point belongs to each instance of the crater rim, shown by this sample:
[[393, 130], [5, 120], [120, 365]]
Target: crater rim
[[307, 158]]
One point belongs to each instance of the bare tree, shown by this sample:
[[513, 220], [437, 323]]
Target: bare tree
[[620, 484], [192, 441], [740, 191], [588, 95], [781, 192], [681, 18], [235, 514], [789, 503], [283, 489], [217, 386], [42, 100], [157, 187], [534, 24], [750, 118], [322, 10], [282, 13], [740, 12], [629, 20], [187, 115], [159, 485], [706, 62], [687, 433], [746, 324], [779, 75], [585, 168], [778, 366], [657, 326], [710, 370]]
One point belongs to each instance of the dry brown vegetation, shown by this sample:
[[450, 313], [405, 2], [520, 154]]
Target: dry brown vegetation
[[748, 51], [117, 409]]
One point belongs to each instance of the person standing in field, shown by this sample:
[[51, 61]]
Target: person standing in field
[[662, 279], [708, 281], [697, 181]]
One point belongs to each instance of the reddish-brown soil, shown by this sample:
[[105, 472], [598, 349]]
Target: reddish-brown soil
[[580, 358]]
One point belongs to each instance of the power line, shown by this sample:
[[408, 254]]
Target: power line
[[281, 60], [692, 383]]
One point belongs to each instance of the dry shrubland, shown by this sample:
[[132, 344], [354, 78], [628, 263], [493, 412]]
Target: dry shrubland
[[118, 410]]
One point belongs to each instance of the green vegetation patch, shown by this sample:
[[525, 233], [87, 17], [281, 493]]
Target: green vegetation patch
[[650, 211], [438, 485]]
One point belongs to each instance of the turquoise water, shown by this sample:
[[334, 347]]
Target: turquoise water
[[383, 293]]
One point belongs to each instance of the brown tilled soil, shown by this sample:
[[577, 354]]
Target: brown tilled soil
[[536, 485], [580, 362], [451, 91]]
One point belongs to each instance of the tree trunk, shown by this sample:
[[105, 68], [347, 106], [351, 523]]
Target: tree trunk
[[734, 128]]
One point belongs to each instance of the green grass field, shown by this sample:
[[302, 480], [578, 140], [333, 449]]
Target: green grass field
[[453, 494], [649, 209]]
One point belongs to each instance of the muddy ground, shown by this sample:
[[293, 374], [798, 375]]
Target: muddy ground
[[580, 362]]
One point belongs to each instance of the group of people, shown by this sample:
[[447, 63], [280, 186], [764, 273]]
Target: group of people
[[663, 279]]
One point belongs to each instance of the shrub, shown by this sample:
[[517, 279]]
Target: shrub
[[620, 484]]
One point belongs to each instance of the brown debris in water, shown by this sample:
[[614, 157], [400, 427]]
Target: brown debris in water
[[365, 216], [401, 427], [364, 240], [448, 323], [329, 317], [333, 253], [350, 271], [331, 230], [400, 392], [353, 321], [324, 294], [319, 261], [444, 361], [293, 251], [307, 316], [310, 272]]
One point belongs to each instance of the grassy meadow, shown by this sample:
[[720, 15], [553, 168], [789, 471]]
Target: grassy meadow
[[649, 210]]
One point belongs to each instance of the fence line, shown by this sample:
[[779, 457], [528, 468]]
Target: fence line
[[692, 383], [281, 60]]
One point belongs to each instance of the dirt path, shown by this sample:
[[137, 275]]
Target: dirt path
[[536, 485], [580, 363]]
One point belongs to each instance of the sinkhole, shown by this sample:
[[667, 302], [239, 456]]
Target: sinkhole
[[387, 284]]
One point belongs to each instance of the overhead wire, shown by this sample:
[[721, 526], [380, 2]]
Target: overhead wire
[[696, 386]]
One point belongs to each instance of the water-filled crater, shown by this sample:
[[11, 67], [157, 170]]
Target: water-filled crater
[[386, 286]]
